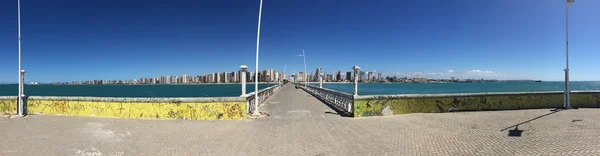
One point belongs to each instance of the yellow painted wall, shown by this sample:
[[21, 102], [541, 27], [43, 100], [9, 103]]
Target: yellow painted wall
[[140, 110], [8, 106], [376, 106]]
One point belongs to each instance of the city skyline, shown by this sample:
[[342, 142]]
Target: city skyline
[[126, 40], [378, 77], [270, 75], [234, 77]]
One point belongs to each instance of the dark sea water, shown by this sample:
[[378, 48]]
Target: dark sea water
[[201, 90], [433, 88]]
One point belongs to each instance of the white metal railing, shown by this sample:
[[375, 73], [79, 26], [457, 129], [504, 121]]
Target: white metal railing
[[340, 100], [263, 95]]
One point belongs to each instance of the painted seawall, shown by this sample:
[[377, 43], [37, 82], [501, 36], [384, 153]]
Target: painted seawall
[[8, 105], [380, 105], [231, 108]]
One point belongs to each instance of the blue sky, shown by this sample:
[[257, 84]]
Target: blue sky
[[65, 40]]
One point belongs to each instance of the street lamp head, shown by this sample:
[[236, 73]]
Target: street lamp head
[[22, 71], [356, 68], [570, 1], [243, 67]]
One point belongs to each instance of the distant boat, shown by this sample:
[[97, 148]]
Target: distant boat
[[538, 80]]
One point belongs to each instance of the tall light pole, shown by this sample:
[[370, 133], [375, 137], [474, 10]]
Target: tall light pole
[[284, 73], [256, 75], [304, 55], [567, 104], [21, 72]]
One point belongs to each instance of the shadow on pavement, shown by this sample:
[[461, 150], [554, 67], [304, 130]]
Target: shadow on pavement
[[329, 112], [517, 132]]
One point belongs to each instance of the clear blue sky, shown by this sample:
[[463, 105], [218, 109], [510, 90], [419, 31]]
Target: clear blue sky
[[65, 40]]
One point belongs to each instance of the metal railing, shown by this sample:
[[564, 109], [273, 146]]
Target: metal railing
[[340, 100], [263, 95]]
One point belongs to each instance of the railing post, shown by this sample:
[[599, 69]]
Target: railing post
[[243, 78], [320, 81], [356, 69]]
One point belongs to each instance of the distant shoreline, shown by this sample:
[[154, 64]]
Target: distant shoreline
[[148, 84], [308, 83]]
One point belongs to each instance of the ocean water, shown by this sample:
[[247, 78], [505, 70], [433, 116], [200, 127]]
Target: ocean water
[[434, 88], [197, 90], [219, 90]]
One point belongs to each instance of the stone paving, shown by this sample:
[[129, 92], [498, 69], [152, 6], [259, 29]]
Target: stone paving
[[299, 124]]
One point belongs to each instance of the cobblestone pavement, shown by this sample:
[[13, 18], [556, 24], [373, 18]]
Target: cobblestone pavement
[[299, 124]]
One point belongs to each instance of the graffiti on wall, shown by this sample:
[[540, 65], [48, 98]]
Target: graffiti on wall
[[140, 110], [402, 105], [8, 107]]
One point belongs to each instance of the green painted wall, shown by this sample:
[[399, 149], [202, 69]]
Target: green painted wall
[[392, 105]]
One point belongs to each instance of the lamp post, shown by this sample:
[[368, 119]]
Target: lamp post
[[356, 69], [284, 72], [21, 72], [305, 79], [256, 75], [567, 102], [243, 75]]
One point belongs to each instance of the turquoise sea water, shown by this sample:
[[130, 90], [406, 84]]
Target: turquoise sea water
[[433, 88], [201, 90], [216, 90]]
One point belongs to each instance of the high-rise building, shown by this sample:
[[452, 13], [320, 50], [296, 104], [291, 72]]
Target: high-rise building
[[301, 76], [218, 77], [184, 79], [362, 76], [236, 76], [338, 76], [379, 77], [163, 80], [370, 76], [318, 72], [349, 76], [260, 77], [265, 75], [250, 76], [328, 77], [272, 75], [174, 79]]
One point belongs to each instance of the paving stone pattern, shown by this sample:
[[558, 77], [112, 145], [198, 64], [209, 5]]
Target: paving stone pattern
[[299, 124]]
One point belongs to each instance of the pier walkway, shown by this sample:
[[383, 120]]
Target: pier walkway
[[299, 124]]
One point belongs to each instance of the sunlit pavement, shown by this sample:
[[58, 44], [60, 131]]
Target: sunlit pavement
[[299, 124]]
